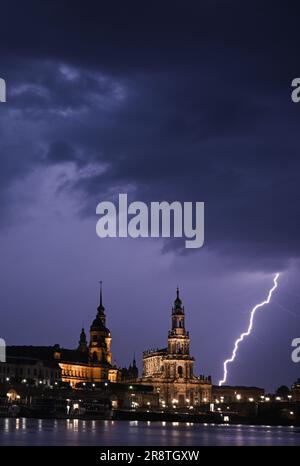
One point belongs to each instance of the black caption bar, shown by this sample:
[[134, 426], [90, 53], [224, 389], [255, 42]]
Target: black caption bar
[[134, 455]]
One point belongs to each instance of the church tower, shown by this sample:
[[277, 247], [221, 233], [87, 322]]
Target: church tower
[[100, 336], [178, 338], [171, 370]]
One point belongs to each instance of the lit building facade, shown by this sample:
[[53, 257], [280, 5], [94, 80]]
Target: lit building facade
[[230, 394], [47, 365], [90, 362], [30, 363], [170, 370]]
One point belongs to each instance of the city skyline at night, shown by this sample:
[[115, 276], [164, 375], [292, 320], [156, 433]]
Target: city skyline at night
[[191, 105]]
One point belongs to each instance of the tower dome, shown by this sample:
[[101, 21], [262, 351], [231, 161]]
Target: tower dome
[[177, 303]]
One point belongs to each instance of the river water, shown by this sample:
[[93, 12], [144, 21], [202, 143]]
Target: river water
[[109, 433]]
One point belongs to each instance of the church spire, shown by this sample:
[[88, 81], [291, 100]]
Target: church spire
[[82, 346], [177, 302], [100, 307], [100, 292]]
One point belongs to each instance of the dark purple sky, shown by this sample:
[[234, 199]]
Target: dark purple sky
[[163, 101]]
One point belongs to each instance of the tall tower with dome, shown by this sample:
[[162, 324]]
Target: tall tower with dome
[[170, 370], [100, 336]]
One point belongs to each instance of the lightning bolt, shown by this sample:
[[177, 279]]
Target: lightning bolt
[[247, 333]]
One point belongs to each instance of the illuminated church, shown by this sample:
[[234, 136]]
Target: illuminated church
[[170, 370]]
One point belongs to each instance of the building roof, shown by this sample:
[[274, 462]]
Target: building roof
[[155, 352], [44, 353]]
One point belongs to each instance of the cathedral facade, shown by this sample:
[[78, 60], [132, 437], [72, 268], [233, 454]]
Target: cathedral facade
[[170, 370]]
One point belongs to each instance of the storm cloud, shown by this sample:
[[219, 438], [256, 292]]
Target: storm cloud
[[163, 101]]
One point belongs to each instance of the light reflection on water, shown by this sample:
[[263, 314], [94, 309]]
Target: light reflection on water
[[82, 432]]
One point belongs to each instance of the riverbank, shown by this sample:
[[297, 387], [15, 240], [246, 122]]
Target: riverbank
[[74, 432], [212, 418]]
